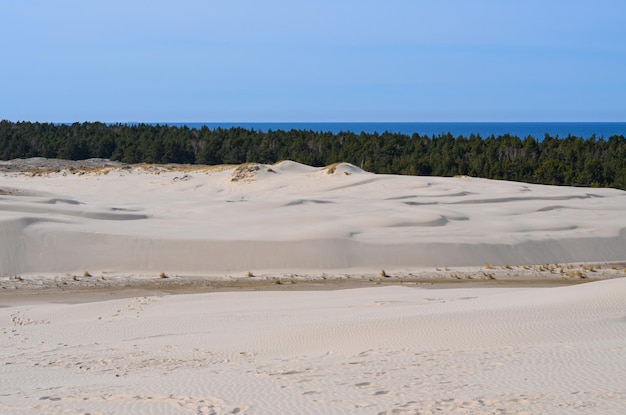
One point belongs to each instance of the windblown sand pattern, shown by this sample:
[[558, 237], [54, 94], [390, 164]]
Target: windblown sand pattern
[[81, 332], [393, 350], [290, 217]]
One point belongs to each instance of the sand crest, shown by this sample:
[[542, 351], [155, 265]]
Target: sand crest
[[292, 218]]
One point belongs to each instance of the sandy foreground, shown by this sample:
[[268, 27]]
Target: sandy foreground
[[385, 350], [290, 289]]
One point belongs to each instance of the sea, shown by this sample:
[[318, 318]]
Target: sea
[[537, 130]]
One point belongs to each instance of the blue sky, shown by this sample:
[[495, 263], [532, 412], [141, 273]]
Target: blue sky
[[322, 60]]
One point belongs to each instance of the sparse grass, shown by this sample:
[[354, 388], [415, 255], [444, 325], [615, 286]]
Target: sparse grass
[[330, 169], [488, 266], [162, 275], [86, 274], [488, 276], [573, 274], [245, 172], [383, 273], [250, 274]]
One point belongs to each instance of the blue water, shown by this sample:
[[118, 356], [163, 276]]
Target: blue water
[[485, 129]]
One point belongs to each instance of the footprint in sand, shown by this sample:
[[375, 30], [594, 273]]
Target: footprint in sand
[[178, 404]]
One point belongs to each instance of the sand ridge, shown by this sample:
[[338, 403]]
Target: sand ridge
[[289, 217]]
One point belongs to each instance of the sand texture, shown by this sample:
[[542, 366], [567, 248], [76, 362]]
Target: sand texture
[[290, 218], [326, 297], [390, 350]]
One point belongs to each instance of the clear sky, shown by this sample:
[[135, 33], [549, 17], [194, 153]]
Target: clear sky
[[314, 60]]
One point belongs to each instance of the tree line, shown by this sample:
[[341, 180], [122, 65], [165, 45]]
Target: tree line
[[574, 161]]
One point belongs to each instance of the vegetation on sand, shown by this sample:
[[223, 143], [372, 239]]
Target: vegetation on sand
[[571, 160]]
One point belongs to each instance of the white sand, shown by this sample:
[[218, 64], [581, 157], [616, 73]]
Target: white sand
[[379, 350], [391, 350], [292, 218]]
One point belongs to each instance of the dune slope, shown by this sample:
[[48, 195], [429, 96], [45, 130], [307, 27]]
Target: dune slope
[[292, 217]]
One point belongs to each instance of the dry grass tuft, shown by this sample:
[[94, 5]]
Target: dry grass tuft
[[162, 275], [574, 274], [245, 172], [330, 169], [488, 276]]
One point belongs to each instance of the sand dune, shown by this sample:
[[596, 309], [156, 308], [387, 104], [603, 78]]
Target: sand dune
[[102, 343], [393, 350], [289, 217]]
